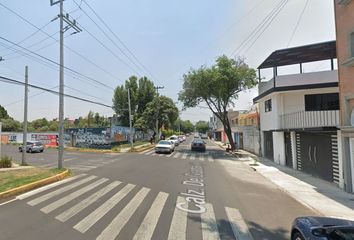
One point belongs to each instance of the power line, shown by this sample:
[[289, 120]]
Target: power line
[[120, 40], [39, 29], [297, 23], [257, 28], [267, 25], [52, 61], [16, 82]]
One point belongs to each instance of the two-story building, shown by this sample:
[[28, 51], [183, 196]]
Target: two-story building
[[344, 16], [300, 112]]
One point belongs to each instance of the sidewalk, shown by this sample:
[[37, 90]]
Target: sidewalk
[[323, 197]]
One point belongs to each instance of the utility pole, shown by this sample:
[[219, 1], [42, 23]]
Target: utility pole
[[70, 24], [24, 139], [130, 122], [157, 112]]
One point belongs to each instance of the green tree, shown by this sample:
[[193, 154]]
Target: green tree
[[90, 119], [187, 126], [162, 108], [202, 126], [3, 113], [218, 87], [10, 125], [39, 123], [140, 95]]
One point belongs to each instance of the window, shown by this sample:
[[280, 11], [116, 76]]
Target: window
[[320, 102], [268, 105]]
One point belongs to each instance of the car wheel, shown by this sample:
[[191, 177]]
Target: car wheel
[[20, 149], [30, 150], [41, 150], [297, 236]]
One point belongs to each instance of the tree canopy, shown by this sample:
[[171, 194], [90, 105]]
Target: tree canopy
[[218, 86], [162, 108], [141, 93], [202, 126], [3, 113]]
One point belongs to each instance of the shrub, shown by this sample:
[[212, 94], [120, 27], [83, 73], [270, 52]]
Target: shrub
[[5, 162]]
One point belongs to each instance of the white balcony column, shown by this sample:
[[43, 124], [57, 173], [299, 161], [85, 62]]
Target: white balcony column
[[293, 149], [340, 159]]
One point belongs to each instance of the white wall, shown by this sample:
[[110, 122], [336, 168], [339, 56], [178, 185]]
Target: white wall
[[279, 147], [286, 102], [306, 78]]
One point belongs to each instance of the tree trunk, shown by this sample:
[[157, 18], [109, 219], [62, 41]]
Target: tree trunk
[[228, 132]]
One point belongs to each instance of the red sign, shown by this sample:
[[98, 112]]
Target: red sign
[[48, 140]]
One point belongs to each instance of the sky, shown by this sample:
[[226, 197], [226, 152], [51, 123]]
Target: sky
[[157, 38]]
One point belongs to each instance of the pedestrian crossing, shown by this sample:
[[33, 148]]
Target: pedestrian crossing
[[203, 157], [82, 166], [88, 201]]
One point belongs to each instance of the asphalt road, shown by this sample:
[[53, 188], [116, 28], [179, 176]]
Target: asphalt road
[[184, 195]]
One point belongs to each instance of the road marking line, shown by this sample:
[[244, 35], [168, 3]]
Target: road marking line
[[51, 207], [179, 222], [145, 151], [96, 215], [150, 152], [12, 200], [209, 225], [114, 228], [210, 158], [87, 166], [177, 155], [238, 225], [192, 157], [59, 191], [87, 202], [42, 189], [184, 156], [149, 223], [170, 155], [201, 158]]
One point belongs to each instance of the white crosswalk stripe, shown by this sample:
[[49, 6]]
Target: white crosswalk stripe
[[209, 225], [39, 190], [87, 202], [201, 157], [51, 207], [150, 152], [145, 151], [177, 155], [179, 222], [96, 215], [114, 228], [148, 225], [60, 191], [210, 158], [192, 157], [148, 222], [184, 155], [238, 225]]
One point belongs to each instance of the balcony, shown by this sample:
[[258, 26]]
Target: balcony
[[310, 119], [299, 81]]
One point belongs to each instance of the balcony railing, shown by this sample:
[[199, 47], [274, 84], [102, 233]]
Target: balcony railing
[[310, 119]]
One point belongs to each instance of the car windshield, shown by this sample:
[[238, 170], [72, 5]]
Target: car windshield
[[165, 143]]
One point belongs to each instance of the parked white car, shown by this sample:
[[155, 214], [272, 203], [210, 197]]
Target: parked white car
[[174, 139], [165, 146]]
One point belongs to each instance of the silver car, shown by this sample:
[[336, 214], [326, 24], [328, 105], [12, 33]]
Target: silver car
[[33, 146]]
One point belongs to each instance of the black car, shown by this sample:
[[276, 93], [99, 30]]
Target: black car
[[322, 228], [198, 145]]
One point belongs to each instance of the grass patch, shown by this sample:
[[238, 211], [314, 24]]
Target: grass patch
[[5, 162], [16, 178], [135, 144]]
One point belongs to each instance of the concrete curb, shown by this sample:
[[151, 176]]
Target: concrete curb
[[141, 149], [30, 186]]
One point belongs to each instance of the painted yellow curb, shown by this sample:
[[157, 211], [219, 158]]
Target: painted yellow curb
[[30, 186]]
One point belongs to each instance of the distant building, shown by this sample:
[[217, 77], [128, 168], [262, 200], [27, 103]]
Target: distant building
[[344, 16], [217, 128]]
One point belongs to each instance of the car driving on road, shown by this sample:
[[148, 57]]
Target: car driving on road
[[165, 146], [174, 139], [322, 228], [33, 146], [198, 145]]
